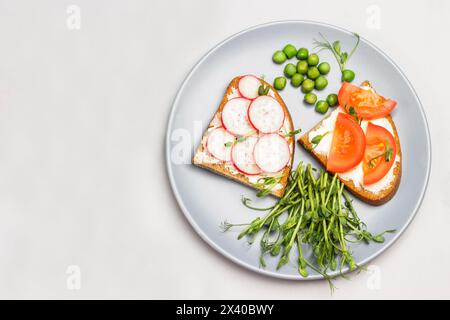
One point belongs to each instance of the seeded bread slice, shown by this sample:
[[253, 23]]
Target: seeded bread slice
[[373, 198], [226, 169]]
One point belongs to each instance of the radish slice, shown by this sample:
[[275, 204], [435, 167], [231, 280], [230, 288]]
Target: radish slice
[[216, 144], [248, 86], [242, 156], [234, 117], [272, 153], [266, 114]]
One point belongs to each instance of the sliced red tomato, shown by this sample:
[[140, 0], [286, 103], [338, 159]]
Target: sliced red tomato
[[348, 145], [366, 104], [379, 155]]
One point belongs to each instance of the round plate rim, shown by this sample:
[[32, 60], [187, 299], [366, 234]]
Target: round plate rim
[[185, 211]]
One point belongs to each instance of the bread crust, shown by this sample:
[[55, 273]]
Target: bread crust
[[375, 199], [222, 170]]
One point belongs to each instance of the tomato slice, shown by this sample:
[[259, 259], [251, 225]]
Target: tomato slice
[[348, 145], [380, 147], [366, 103]]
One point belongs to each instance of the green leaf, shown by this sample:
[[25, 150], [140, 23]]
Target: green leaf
[[284, 260], [262, 262], [378, 238], [263, 90], [262, 193], [344, 57], [275, 250], [266, 184], [316, 140], [337, 47], [388, 155], [352, 111], [333, 264], [293, 133]]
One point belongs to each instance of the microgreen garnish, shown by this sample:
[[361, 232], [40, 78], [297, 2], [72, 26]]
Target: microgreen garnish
[[342, 57], [225, 225], [316, 140], [266, 184], [316, 211], [387, 155], [246, 202], [352, 111], [379, 237], [263, 90], [238, 139], [293, 133]]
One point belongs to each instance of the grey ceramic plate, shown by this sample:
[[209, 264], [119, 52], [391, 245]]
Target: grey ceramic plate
[[207, 199]]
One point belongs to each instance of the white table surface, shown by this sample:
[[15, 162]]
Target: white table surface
[[83, 114]]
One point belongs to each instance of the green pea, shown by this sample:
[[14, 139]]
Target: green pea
[[297, 80], [289, 50], [302, 67], [310, 98], [279, 83], [290, 70], [313, 73], [307, 86], [302, 54], [332, 99], [322, 106], [324, 67], [313, 59], [279, 57], [348, 75], [320, 83]]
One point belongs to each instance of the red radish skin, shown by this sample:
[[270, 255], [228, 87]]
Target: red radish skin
[[259, 123], [245, 149], [272, 153], [245, 126], [215, 144], [249, 87]]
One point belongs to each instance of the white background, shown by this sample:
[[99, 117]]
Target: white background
[[83, 115]]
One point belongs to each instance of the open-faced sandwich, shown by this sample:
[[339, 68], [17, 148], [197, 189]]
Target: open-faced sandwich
[[359, 142], [250, 139]]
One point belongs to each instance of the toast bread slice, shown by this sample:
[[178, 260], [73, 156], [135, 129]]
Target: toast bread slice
[[226, 169], [374, 198]]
